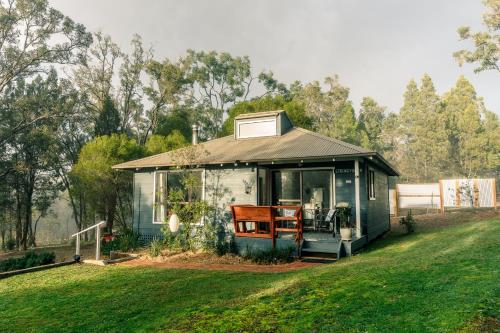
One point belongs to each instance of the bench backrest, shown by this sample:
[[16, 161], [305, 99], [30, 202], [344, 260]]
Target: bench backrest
[[252, 213]]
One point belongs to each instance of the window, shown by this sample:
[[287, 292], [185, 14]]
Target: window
[[371, 184], [189, 182], [256, 128]]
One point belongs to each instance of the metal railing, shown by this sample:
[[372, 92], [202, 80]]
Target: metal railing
[[98, 227]]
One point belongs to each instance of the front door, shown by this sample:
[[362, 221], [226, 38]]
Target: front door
[[313, 189]]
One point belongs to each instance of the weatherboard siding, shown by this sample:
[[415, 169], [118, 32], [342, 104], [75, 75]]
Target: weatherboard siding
[[143, 204], [377, 216]]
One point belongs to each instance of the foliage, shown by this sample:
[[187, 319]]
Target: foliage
[[220, 80], [344, 214], [395, 273], [30, 259], [33, 34], [371, 121], [295, 110], [272, 256], [155, 247], [10, 244], [424, 136], [486, 43], [128, 240], [108, 191], [157, 144], [474, 147], [408, 222]]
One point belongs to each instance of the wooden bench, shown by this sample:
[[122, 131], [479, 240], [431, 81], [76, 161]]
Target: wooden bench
[[265, 221]]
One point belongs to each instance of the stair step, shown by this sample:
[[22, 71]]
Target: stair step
[[319, 257], [328, 248]]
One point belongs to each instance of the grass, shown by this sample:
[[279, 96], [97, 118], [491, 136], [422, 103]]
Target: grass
[[437, 280]]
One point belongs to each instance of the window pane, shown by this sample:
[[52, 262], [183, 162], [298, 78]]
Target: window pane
[[286, 188], [189, 182], [159, 211], [317, 187]]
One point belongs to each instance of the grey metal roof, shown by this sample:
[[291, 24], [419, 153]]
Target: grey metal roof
[[296, 144]]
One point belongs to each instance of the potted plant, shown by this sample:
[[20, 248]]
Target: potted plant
[[344, 213]]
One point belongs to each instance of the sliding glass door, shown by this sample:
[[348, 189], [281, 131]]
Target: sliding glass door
[[312, 189]]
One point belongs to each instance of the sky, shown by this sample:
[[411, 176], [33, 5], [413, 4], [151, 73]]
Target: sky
[[376, 47]]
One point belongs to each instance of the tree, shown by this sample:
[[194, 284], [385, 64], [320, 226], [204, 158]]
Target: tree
[[179, 119], [294, 109], [331, 111], [371, 121], [472, 145], [218, 80], [168, 85], [94, 78], [108, 120], [107, 191], [33, 35], [33, 152], [425, 140], [157, 144], [486, 43]]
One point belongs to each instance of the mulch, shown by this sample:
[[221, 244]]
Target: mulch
[[254, 268]]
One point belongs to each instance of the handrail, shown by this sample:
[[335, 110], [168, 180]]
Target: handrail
[[89, 228], [96, 226]]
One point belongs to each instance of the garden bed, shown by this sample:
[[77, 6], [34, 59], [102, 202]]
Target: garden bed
[[206, 261]]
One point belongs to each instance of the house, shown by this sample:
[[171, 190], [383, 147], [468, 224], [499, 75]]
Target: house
[[268, 161]]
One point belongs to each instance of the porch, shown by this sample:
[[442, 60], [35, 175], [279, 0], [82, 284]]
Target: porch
[[260, 228]]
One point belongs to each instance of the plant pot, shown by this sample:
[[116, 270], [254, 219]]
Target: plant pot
[[173, 223], [346, 233]]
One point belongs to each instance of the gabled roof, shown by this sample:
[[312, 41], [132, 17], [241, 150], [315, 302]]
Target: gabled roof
[[296, 144]]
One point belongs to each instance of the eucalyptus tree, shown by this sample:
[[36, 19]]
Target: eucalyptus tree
[[371, 121], [33, 152], [33, 35], [486, 50], [94, 77], [218, 81], [331, 110], [108, 191]]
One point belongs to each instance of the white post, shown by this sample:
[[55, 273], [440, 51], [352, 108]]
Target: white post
[[358, 204], [98, 243], [77, 252]]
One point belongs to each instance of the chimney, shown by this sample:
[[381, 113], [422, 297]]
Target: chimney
[[195, 135]]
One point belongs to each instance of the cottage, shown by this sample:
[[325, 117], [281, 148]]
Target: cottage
[[269, 162]]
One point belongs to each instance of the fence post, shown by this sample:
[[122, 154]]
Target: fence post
[[396, 200], [98, 243], [441, 196], [494, 193], [77, 252]]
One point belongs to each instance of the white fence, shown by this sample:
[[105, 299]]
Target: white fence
[[457, 193]]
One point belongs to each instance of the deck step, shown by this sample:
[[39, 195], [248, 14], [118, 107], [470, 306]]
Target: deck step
[[323, 247], [319, 257]]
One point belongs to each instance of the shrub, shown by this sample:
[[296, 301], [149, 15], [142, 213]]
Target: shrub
[[10, 244], [408, 223], [126, 241], [272, 256], [155, 247], [30, 259]]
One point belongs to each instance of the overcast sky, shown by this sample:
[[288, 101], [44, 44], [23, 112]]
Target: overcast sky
[[376, 47]]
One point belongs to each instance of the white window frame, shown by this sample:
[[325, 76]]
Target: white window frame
[[372, 195], [258, 120], [173, 171]]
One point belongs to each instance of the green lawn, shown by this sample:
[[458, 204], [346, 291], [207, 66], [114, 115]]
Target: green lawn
[[442, 279]]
